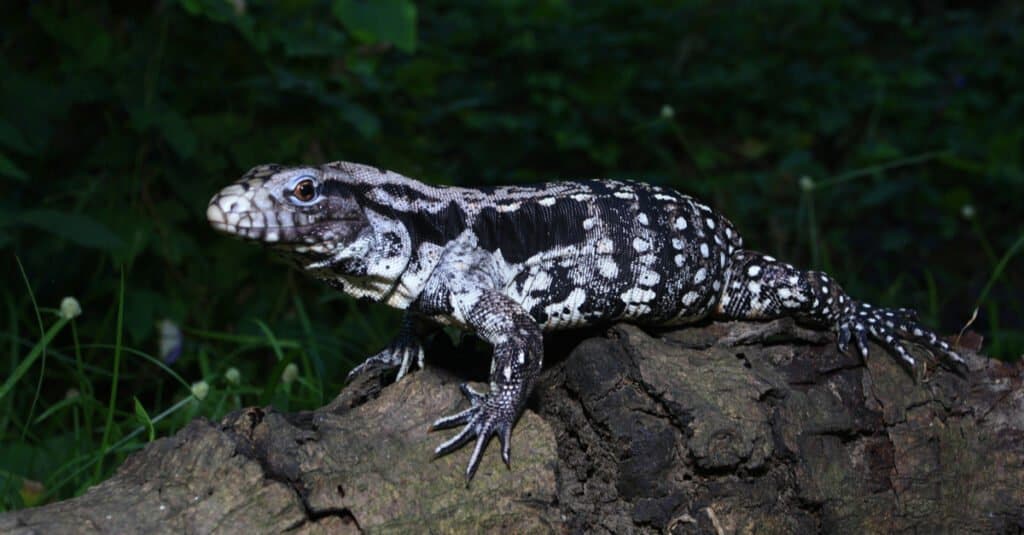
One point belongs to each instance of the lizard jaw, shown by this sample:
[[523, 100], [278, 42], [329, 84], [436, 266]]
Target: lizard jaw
[[269, 226]]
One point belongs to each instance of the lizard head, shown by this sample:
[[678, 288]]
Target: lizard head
[[299, 211]]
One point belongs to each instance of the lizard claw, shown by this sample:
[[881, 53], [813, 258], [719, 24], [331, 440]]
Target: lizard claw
[[892, 327], [844, 337], [487, 415], [505, 438], [401, 353]]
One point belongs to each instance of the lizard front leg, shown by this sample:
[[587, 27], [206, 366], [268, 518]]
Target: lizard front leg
[[517, 360], [405, 349]]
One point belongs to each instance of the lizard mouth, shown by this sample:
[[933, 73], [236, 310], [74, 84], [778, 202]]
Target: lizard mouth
[[262, 225], [277, 228]]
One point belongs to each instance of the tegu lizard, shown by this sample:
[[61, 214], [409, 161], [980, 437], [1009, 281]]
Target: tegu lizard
[[512, 262]]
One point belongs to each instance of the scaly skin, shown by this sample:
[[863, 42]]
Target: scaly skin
[[512, 262]]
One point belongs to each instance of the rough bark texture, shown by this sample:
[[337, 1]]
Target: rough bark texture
[[726, 427]]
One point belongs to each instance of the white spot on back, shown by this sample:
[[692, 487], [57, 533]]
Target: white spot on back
[[567, 312], [637, 295], [649, 278], [607, 268]]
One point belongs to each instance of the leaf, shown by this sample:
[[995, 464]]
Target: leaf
[[176, 131], [8, 169], [167, 121], [11, 138], [390, 21], [193, 7], [32, 492], [144, 419], [76, 228], [322, 40], [363, 119]]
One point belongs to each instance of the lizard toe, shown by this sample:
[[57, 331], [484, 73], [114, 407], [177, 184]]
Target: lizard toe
[[485, 418], [843, 341], [891, 328], [387, 359]]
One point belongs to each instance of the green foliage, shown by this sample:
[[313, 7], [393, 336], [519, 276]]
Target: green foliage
[[879, 141], [380, 21]]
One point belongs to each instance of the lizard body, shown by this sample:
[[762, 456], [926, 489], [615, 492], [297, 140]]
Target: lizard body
[[512, 262]]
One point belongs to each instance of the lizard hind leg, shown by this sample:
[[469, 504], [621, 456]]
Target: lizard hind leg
[[758, 286]]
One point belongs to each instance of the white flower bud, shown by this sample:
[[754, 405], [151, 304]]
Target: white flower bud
[[290, 374], [200, 390], [69, 308]]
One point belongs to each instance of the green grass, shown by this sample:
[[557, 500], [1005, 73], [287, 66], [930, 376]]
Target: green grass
[[85, 430]]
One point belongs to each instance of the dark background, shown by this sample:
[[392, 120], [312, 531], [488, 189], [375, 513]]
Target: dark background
[[880, 141]]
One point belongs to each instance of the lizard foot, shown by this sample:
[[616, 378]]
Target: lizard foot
[[401, 353], [891, 327], [487, 415]]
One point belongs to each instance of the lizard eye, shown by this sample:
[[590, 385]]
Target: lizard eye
[[305, 190]]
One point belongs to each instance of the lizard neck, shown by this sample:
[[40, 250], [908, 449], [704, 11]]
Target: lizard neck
[[411, 223], [371, 266]]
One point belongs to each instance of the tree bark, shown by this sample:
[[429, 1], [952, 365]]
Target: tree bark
[[719, 428]]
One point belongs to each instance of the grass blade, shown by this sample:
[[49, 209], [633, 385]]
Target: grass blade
[[38, 350], [998, 271], [109, 425]]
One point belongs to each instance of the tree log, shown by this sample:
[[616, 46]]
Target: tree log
[[717, 428]]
